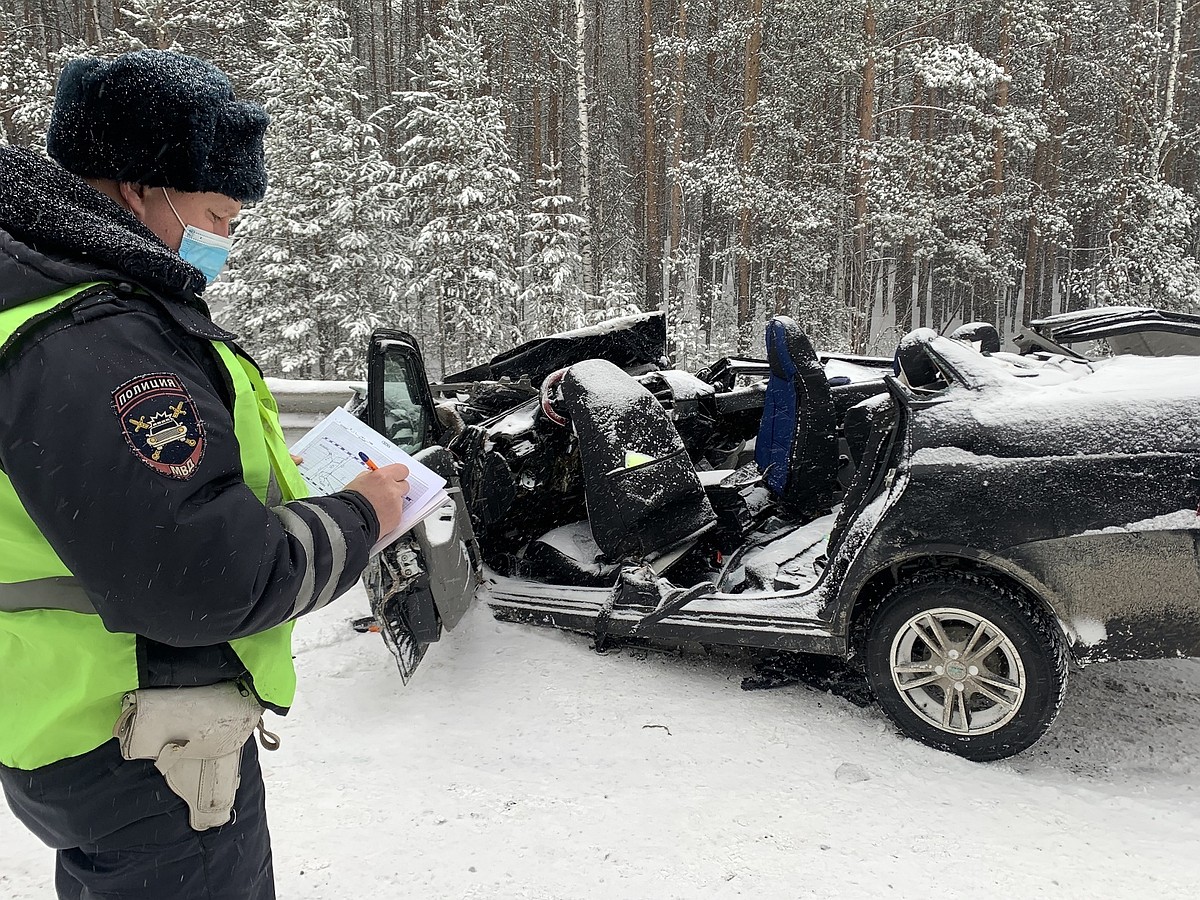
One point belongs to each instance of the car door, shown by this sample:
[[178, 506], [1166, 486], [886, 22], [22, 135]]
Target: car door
[[426, 580]]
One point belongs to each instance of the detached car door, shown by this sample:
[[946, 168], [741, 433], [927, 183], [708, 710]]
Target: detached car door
[[425, 581]]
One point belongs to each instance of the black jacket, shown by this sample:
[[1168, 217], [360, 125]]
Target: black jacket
[[187, 563]]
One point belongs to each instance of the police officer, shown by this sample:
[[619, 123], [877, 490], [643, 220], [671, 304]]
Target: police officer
[[156, 540]]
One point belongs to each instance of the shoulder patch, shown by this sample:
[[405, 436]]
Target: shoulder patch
[[161, 424]]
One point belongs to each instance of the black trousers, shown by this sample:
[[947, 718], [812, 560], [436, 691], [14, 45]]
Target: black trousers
[[121, 834]]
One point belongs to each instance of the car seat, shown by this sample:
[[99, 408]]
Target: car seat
[[797, 449], [982, 333], [644, 501], [643, 493]]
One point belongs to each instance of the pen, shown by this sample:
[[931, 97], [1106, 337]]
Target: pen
[[367, 461]]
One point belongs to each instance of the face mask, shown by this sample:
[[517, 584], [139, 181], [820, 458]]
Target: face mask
[[206, 251]]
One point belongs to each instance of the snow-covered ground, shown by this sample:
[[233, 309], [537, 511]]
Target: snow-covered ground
[[520, 764]]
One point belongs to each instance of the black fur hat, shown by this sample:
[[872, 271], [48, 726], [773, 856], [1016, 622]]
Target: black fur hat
[[158, 118]]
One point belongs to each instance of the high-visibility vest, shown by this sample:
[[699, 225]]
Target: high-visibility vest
[[62, 673]]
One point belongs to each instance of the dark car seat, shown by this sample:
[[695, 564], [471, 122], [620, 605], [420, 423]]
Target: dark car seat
[[637, 507], [568, 554], [643, 493], [874, 422], [797, 449], [982, 333]]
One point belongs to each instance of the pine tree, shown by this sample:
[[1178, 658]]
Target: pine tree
[[320, 261], [178, 24], [1145, 224], [227, 33], [553, 299], [26, 88], [461, 185], [1151, 264], [618, 297]]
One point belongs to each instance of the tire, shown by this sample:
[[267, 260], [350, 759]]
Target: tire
[[944, 629]]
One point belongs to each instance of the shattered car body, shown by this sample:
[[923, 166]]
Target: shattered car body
[[958, 529], [1081, 489], [1135, 330]]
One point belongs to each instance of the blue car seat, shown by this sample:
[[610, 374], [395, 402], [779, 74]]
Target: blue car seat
[[797, 449]]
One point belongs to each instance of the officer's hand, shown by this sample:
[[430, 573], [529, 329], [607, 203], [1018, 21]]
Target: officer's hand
[[384, 488]]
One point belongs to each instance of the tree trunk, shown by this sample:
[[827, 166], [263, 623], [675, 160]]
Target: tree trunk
[[676, 212], [554, 103], [389, 48], [998, 147], [535, 112], [599, 173], [860, 327], [1003, 296], [585, 151], [1168, 114], [94, 32], [707, 282], [654, 240], [373, 56], [753, 69]]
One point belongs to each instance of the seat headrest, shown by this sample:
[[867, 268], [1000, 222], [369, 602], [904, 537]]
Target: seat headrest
[[788, 348], [983, 333]]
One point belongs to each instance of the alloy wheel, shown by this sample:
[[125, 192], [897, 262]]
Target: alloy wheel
[[958, 671]]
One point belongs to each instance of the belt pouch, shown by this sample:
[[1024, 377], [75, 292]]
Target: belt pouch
[[195, 737]]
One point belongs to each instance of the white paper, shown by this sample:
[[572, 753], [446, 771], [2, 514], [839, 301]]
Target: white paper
[[334, 451]]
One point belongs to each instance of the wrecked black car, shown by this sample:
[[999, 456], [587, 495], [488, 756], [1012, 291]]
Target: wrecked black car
[[958, 523]]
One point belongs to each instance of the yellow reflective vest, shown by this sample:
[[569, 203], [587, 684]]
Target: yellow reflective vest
[[62, 673]]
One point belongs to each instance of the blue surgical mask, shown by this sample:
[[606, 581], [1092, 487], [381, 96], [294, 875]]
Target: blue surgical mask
[[206, 251]]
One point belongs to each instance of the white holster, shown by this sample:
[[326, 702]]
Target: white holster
[[195, 737]]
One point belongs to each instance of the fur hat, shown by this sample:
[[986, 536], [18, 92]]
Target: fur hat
[[161, 119]]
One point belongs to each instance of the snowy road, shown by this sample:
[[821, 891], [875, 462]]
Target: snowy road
[[519, 764]]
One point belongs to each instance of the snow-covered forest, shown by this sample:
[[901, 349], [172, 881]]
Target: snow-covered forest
[[480, 173]]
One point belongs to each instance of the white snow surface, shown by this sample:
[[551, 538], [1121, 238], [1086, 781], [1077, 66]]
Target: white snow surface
[[608, 326], [835, 368], [953, 456], [1089, 632], [1095, 312], [310, 386], [520, 764], [1181, 519], [685, 385], [1148, 380]]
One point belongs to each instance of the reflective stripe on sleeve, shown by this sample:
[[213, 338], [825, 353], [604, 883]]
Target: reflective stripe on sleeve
[[337, 563], [46, 593], [295, 525]]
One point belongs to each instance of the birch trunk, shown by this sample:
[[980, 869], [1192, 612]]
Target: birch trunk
[[1168, 120]]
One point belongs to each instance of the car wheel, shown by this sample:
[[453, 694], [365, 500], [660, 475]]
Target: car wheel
[[964, 664]]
